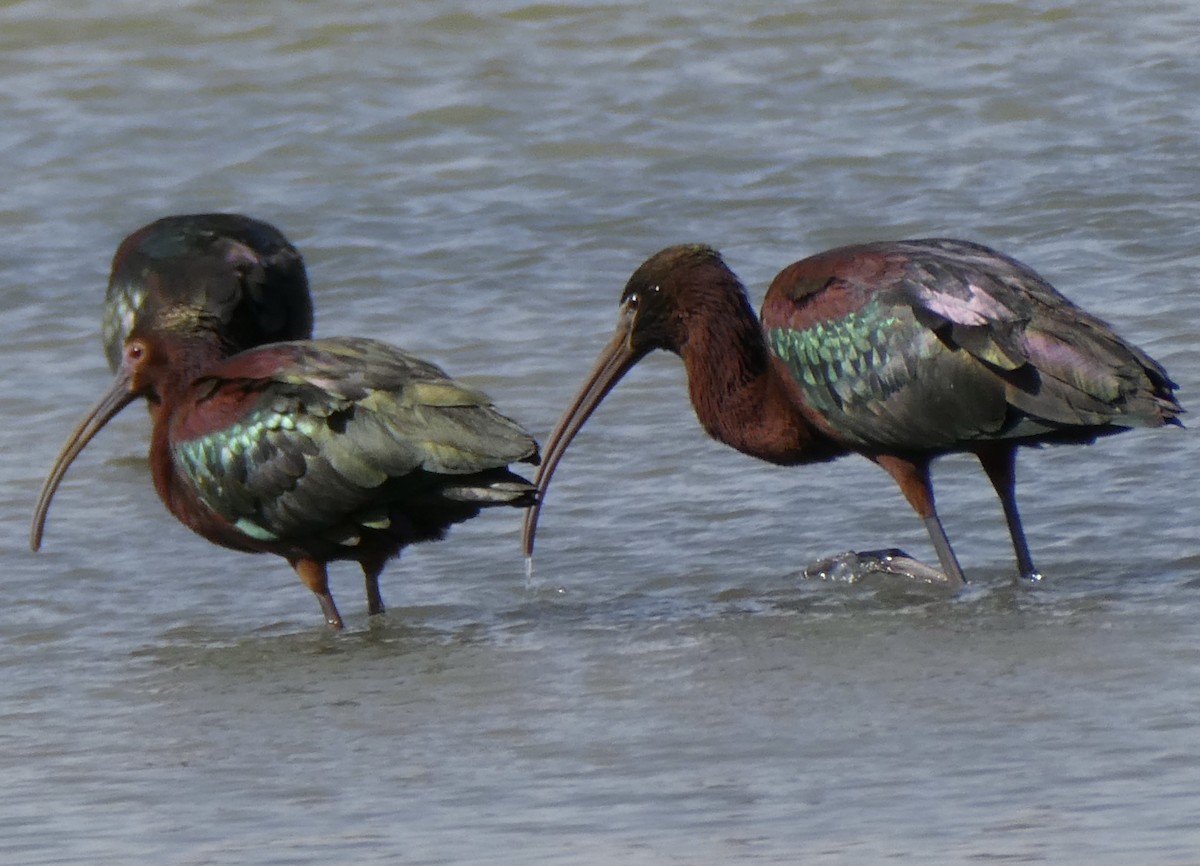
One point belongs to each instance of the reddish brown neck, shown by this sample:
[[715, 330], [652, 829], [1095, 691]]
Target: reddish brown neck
[[178, 365], [740, 396], [160, 456]]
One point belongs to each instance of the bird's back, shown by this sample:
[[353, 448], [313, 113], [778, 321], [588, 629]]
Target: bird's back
[[326, 443], [931, 345]]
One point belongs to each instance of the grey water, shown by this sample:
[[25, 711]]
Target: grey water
[[475, 181]]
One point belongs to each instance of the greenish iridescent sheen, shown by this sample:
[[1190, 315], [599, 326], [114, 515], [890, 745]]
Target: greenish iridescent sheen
[[838, 359], [226, 450]]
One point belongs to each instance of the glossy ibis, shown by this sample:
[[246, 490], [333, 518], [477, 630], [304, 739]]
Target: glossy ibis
[[319, 450], [899, 351], [244, 275]]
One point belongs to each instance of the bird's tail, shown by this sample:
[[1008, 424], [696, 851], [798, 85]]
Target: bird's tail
[[1088, 375], [492, 488]]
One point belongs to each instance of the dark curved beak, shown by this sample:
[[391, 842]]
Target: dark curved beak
[[118, 396], [615, 360]]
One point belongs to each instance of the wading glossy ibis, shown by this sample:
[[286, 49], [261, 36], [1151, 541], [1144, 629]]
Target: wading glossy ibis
[[314, 450], [899, 351]]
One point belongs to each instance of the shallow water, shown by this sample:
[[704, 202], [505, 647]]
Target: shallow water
[[476, 182]]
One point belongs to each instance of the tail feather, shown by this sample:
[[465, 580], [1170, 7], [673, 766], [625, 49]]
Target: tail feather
[[508, 489], [1087, 375]]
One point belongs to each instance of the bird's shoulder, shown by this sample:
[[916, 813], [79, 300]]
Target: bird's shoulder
[[325, 428], [940, 280], [367, 409], [317, 377]]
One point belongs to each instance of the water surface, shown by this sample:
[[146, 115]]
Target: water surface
[[476, 182]]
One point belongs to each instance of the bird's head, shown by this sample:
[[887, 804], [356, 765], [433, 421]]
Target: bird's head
[[669, 293], [237, 277], [670, 296]]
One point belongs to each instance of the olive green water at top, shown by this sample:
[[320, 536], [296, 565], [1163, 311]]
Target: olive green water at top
[[475, 182]]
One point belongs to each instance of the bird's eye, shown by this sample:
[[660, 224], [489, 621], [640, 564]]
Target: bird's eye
[[135, 351], [631, 301]]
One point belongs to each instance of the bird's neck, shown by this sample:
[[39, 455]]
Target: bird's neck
[[160, 461], [182, 497], [740, 396], [184, 362]]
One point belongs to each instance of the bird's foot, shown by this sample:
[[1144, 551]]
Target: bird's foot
[[890, 563]]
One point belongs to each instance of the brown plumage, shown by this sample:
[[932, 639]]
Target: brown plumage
[[899, 351]]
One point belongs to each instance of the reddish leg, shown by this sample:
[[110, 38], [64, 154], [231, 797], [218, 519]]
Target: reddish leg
[[999, 463], [314, 576], [913, 479]]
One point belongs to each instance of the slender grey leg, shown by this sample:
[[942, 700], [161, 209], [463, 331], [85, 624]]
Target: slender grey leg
[[315, 577], [913, 478], [1000, 466], [374, 599], [945, 554], [371, 572], [332, 617]]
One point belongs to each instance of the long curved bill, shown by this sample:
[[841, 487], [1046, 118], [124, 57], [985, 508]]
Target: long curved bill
[[114, 400], [615, 361]]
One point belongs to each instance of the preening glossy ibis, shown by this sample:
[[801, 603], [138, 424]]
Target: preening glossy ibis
[[240, 273], [899, 351], [321, 450]]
